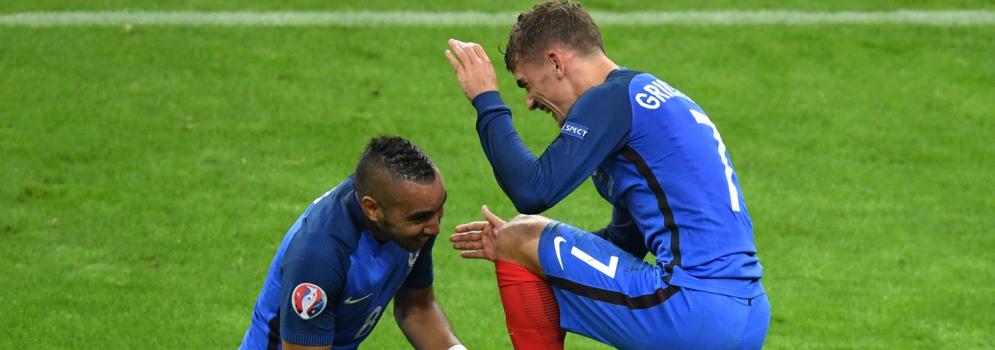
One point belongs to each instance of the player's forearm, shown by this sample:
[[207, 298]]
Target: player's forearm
[[425, 326], [516, 169]]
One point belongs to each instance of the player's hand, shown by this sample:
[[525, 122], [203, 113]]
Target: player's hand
[[473, 68], [476, 239]]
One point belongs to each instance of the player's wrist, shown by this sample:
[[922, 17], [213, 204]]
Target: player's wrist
[[486, 99]]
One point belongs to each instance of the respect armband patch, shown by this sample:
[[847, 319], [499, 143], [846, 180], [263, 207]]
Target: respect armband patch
[[574, 130]]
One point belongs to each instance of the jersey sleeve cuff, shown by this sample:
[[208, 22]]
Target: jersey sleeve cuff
[[418, 284], [308, 339], [487, 100]]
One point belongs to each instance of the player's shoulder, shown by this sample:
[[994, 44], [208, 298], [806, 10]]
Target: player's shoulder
[[650, 93], [610, 97], [616, 84], [330, 226]]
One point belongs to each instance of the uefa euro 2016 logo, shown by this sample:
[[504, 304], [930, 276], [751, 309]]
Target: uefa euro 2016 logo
[[308, 300]]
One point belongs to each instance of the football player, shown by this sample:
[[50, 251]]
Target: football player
[[655, 156], [361, 244]]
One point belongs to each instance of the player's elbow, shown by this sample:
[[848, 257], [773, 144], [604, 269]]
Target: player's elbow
[[400, 314], [527, 198], [530, 209], [529, 203]]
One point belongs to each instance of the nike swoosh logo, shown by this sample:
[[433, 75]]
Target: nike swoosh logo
[[353, 301], [556, 244]]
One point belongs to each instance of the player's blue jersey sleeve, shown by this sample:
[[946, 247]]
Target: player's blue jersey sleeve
[[421, 275], [595, 128], [318, 258], [624, 233]]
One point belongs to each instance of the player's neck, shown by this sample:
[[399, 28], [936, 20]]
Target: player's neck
[[375, 231], [591, 72]]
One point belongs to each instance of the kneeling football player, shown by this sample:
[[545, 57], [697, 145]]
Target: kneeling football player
[[655, 156], [356, 247]]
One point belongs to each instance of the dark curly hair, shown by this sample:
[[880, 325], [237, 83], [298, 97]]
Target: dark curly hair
[[551, 23], [397, 157]]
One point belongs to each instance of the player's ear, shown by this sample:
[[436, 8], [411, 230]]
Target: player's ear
[[556, 60], [371, 208]]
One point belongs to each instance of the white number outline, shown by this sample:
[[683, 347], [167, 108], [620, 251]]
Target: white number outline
[[608, 270], [371, 321], [701, 118]]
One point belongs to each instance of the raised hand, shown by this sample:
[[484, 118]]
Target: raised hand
[[473, 68]]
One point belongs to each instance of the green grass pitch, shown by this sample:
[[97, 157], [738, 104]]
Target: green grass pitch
[[147, 176]]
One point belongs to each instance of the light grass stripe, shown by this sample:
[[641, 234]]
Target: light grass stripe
[[439, 19]]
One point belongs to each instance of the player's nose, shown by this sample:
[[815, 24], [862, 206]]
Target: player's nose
[[432, 229]]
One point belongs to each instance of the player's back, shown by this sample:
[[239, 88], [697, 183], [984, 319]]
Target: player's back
[[657, 158], [675, 178]]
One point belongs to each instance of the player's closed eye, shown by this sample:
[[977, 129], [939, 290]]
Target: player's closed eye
[[421, 217]]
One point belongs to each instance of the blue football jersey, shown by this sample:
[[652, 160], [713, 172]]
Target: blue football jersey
[[658, 159], [330, 280]]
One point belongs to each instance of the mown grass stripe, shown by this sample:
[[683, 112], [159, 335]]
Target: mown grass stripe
[[438, 19]]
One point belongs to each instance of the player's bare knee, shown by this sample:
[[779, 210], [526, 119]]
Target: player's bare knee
[[523, 228], [530, 220], [518, 240]]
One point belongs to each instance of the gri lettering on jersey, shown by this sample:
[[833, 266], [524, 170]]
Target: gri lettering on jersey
[[656, 94]]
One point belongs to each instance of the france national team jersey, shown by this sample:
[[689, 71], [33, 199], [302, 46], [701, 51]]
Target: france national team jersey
[[658, 159], [330, 280]]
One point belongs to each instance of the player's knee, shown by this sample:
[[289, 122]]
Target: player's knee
[[521, 217], [523, 227], [519, 238], [529, 220]]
